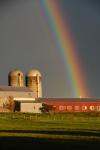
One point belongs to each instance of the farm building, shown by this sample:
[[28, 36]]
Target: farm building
[[27, 97], [20, 96], [10, 96], [71, 104]]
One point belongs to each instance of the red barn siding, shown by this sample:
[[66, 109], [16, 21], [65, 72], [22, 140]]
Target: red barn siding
[[74, 106]]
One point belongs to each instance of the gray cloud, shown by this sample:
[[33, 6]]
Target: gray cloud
[[25, 43]]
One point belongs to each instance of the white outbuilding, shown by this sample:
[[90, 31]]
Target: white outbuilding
[[16, 99]]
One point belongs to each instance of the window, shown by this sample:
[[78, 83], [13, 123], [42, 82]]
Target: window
[[76, 107], [62, 107], [69, 107], [84, 107], [91, 107], [98, 108]]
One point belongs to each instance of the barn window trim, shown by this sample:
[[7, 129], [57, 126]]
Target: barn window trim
[[84, 107], [76, 107], [98, 108], [91, 107], [62, 107], [69, 107]]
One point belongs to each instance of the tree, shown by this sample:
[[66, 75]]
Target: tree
[[9, 104], [47, 108]]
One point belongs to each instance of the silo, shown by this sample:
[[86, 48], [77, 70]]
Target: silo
[[15, 78], [34, 82]]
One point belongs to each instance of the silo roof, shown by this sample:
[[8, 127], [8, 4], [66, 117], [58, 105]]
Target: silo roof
[[33, 73], [15, 72]]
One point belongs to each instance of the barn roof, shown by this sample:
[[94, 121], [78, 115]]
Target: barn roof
[[68, 99], [17, 89]]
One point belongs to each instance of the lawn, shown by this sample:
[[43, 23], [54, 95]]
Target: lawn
[[68, 130]]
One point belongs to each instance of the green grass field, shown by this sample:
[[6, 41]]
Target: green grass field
[[69, 130]]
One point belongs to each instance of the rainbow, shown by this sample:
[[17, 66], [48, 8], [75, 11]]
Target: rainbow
[[65, 44]]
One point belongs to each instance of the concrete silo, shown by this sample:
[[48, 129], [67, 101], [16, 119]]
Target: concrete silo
[[34, 82], [15, 78]]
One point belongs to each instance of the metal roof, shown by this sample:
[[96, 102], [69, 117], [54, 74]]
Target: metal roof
[[93, 99], [15, 72], [17, 89], [33, 73]]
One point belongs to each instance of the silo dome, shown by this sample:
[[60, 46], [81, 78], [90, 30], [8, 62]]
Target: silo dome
[[15, 78], [33, 73], [33, 81]]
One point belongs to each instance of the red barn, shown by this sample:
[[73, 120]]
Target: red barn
[[72, 104]]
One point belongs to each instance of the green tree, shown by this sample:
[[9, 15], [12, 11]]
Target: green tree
[[47, 108]]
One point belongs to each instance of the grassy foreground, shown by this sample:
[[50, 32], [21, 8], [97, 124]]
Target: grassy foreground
[[69, 130]]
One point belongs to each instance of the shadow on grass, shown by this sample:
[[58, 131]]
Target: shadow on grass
[[86, 132], [16, 142], [43, 143]]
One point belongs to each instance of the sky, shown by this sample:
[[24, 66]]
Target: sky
[[25, 43]]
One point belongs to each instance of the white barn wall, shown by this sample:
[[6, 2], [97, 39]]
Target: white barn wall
[[30, 107], [16, 94]]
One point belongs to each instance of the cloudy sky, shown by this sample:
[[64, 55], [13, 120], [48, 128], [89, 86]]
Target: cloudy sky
[[26, 44]]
